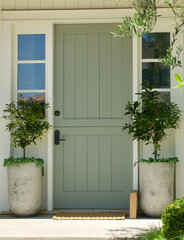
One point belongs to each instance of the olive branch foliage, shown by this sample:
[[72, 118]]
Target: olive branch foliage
[[178, 9], [144, 20]]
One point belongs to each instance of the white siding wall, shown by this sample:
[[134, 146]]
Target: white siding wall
[[5, 88], [65, 4], [178, 97]]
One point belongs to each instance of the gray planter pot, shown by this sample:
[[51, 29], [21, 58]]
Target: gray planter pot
[[156, 187], [25, 189]]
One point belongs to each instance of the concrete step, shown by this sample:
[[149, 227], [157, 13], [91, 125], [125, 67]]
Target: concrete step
[[42, 227]]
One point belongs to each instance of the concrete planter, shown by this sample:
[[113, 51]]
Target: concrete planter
[[25, 189], [156, 187]]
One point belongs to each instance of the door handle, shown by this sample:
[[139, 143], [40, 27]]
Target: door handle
[[57, 138]]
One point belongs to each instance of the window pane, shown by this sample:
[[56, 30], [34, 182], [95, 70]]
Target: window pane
[[36, 96], [156, 74], [31, 47], [31, 76], [164, 95], [155, 45]]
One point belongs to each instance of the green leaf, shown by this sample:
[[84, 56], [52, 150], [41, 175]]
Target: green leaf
[[179, 85], [178, 78]]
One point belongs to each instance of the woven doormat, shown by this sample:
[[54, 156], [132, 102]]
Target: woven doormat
[[90, 216]]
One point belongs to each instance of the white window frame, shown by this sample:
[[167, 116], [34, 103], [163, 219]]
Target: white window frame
[[23, 31], [155, 60], [163, 25]]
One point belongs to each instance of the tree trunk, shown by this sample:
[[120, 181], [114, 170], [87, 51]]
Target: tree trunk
[[155, 151], [24, 152]]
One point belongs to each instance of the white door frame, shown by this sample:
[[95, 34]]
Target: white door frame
[[5, 98], [135, 80]]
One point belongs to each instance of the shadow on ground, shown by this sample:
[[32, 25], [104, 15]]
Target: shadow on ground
[[6, 216], [126, 232]]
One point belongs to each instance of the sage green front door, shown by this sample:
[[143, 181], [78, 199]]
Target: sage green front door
[[93, 82]]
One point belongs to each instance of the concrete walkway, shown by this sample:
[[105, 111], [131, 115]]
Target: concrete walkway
[[42, 227]]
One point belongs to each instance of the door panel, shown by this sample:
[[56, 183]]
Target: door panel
[[81, 76], [93, 82], [98, 163], [93, 164], [105, 75], [68, 90], [93, 76]]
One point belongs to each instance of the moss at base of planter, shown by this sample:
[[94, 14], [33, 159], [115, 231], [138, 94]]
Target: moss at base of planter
[[11, 161], [161, 160]]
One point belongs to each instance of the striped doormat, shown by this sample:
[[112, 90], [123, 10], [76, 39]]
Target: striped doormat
[[90, 216]]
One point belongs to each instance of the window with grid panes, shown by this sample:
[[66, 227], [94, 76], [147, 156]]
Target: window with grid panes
[[31, 66], [154, 45]]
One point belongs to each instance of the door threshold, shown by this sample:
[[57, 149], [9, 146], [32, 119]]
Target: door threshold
[[56, 211]]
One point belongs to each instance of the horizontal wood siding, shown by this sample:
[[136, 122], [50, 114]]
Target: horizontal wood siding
[[20, 4], [65, 4]]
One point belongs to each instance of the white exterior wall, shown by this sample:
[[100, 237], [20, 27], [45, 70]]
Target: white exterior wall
[[15, 22], [5, 88], [179, 134]]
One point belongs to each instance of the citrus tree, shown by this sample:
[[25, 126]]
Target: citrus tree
[[150, 121], [27, 121]]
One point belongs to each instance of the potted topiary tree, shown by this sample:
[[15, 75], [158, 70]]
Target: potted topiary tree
[[149, 123], [26, 125]]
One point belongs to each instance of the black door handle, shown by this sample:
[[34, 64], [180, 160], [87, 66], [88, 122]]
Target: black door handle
[[57, 139]]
